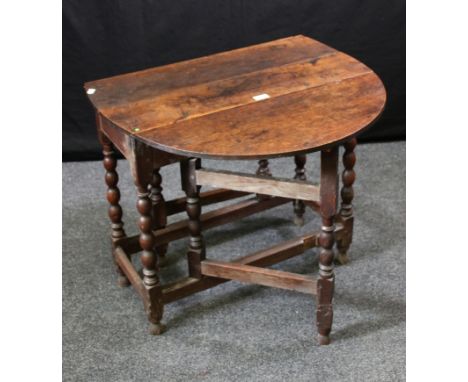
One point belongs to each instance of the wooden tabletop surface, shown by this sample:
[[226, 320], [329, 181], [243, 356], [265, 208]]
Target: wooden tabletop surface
[[279, 98]]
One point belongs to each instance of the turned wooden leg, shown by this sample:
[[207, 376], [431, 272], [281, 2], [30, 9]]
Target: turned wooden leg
[[196, 250], [141, 159], [153, 302], [328, 206], [158, 212], [347, 194], [299, 206], [113, 197]]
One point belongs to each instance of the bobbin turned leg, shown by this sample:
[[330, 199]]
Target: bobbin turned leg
[[141, 163], [158, 212], [113, 196], [347, 194], [299, 206], [154, 306], [196, 250], [326, 281]]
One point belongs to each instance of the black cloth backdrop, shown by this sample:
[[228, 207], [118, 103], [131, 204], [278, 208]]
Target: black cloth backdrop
[[108, 37]]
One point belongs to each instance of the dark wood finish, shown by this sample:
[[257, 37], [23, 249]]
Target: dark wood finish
[[169, 84], [158, 209], [196, 250], [286, 97], [262, 276], [286, 188], [113, 195], [141, 164], [299, 206], [328, 205], [206, 107], [347, 194], [126, 144], [309, 111], [158, 212], [325, 290], [113, 192], [148, 259]]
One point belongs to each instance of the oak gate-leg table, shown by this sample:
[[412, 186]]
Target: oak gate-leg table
[[287, 97]]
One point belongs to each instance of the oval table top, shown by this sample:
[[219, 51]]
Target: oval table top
[[288, 96]]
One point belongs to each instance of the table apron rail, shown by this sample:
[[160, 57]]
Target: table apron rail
[[285, 188]]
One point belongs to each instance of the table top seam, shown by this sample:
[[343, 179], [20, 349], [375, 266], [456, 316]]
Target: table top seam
[[142, 133], [298, 62]]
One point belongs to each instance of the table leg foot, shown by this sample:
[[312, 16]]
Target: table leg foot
[[157, 329], [325, 288], [263, 170], [323, 340], [153, 297], [342, 258], [299, 221]]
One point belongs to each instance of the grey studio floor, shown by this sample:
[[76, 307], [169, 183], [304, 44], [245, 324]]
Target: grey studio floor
[[238, 332]]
